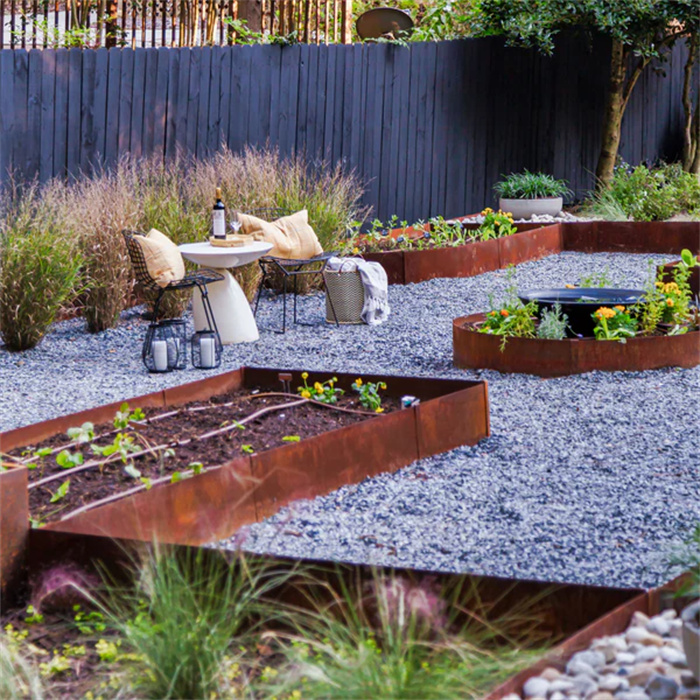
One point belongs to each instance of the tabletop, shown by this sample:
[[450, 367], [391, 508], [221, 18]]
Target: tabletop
[[205, 253]]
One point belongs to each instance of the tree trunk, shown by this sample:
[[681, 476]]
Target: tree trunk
[[695, 165], [612, 120], [690, 120]]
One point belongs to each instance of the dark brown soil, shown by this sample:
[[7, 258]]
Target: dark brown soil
[[163, 440]]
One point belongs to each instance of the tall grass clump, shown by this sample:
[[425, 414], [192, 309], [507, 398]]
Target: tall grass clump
[[394, 638], [104, 205], [186, 620], [19, 677], [40, 263]]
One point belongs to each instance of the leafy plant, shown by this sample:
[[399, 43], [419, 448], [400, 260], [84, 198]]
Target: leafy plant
[[85, 433], [596, 280], [614, 323], [19, 677], [369, 394], [496, 224], [61, 492], [647, 194], [325, 392], [553, 324], [527, 185], [41, 264]]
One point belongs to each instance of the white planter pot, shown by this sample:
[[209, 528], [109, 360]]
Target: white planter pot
[[691, 637], [525, 208]]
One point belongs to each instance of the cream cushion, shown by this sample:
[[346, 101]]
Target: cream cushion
[[163, 258], [291, 236]]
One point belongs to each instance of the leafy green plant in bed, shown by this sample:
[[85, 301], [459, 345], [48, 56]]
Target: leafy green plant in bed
[[616, 323], [40, 270], [511, 318], [527, 185], [369, 394], [553, 324]]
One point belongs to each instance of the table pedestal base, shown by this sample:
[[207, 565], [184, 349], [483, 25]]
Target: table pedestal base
[[231, 309]]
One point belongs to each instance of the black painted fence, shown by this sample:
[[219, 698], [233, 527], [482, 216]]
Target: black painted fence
[[430, 128]]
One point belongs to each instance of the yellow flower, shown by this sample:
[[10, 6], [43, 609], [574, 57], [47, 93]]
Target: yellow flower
[[604, 312], [304, 375], [355, 250], [358, 381], [496, 223], [318, 387], [379, 410], [669, 302], [619, 308], [487, 211], [670, 288], [306, 394], [659, 284]]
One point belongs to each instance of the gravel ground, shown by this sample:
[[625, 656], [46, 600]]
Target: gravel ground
[[590, 478]]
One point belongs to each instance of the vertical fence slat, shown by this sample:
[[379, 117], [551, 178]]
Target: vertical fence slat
[[75, 70], [87, 111], [173, 103], [161, 101], [138, 78], [32, 143], [126, 100], [224, 89], [111, 152], [7, 113], [240, 97], [290, 69], [327, 98], [415, 128], [60, 114], [213, 117], [401, 141]]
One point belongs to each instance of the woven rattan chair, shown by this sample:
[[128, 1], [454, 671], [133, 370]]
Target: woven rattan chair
[[286, 267], [200, 279]]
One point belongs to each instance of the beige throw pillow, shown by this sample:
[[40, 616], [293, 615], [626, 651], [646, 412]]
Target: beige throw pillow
[[163, 258], [291, 236]]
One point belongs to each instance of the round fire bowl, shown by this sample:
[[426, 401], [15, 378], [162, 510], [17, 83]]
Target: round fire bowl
[[557, 358]]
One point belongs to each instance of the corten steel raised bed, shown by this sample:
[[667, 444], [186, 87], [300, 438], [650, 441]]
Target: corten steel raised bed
[[557, 610], [532, 242], [651, 602], [14, 526], [216, 503], [557, 358]]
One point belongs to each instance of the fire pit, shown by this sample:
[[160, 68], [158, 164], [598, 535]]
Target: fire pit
[[580, 303]]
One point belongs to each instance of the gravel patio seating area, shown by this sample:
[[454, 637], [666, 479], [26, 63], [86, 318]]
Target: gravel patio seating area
[[590, 478]]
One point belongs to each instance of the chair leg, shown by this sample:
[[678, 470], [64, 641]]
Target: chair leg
[[208, 312], [284, 303], [330, 301], [156, 306], [295, 298]]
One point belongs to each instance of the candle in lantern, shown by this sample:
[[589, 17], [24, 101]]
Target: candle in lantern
[[207, 352], [160, 355]]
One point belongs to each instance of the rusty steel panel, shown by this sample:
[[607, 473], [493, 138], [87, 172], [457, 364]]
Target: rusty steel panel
[[461, 418], [36, 432], [392, 262], [533, 245], [207, 507], [14, 530], [326, 462], [580, 237], [463, 261], [203, 389], [556, 358]]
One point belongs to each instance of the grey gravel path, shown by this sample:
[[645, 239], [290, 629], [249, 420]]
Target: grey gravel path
[[589, 478]]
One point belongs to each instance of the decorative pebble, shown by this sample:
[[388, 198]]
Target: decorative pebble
[[625, 658], [557, 695], [576, 667], [536, 687], [640, 635], [689, 680], [658, 625], [641, 673], [550, 673], [602, 695], [649, 653], [612, 683], [561, 685], [674, 657], [661, 687], [632, 695], [584, 684], [594, 659]]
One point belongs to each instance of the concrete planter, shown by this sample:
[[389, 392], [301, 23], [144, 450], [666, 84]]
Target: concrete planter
[[691, 636], [525, 208]]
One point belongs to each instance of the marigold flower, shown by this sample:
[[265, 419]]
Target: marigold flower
[[659, 284], [358, 381], [306, 394], [669, 302], [604, 312], [304, 375], [619, 308], [318, 387], [670, 288], [504, 313]]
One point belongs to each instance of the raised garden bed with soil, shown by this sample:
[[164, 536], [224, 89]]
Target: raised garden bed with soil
[[557, 358], [228, 476], [533, 242]]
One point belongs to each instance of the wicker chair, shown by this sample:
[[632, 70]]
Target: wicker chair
[[287, 267], [200, 279]]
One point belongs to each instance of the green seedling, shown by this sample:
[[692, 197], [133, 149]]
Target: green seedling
[[61, 491], [67, 459]]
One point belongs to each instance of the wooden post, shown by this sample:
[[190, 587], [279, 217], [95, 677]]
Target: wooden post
[[346, 21]]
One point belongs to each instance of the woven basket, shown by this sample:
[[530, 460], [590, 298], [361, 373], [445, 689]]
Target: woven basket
[[345, 289]]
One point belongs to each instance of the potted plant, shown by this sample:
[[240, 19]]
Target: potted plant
[[689, 559], [525, 194]]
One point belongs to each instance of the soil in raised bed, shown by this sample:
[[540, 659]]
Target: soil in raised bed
[[186, 423]]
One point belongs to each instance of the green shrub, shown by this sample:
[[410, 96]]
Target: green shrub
[[527, 185], [647, 194], [39, 265]]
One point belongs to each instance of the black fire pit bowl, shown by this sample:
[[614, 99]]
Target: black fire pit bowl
[[580, 303]]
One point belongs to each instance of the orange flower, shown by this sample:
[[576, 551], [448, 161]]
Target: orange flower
[[669, 302], [504, 313], [619, 308]]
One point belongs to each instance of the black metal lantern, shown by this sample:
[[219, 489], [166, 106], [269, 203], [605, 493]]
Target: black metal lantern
[[206, 349], [165, 346]]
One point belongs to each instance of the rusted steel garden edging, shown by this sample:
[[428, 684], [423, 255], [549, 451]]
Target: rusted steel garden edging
[[535, 241], [651, 602], [14, 526], [557, 358], [218, 502]]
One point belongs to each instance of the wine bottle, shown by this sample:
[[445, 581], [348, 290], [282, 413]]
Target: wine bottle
[[218, 228]]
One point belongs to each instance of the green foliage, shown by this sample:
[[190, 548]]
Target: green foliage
[[615, 323], [647, 194], [325, 392], [687, 558], [553, 324], [596, 280], [40, 270], [85, 433], [369, 394], [496, 224], [61, 492], [527, 185], [187, 613], [19, 677], [511, 318]]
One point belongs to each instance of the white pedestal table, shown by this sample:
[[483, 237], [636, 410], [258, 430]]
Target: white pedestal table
[[231, 309]]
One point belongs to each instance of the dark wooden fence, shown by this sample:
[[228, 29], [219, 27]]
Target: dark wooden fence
[[430, 128]]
